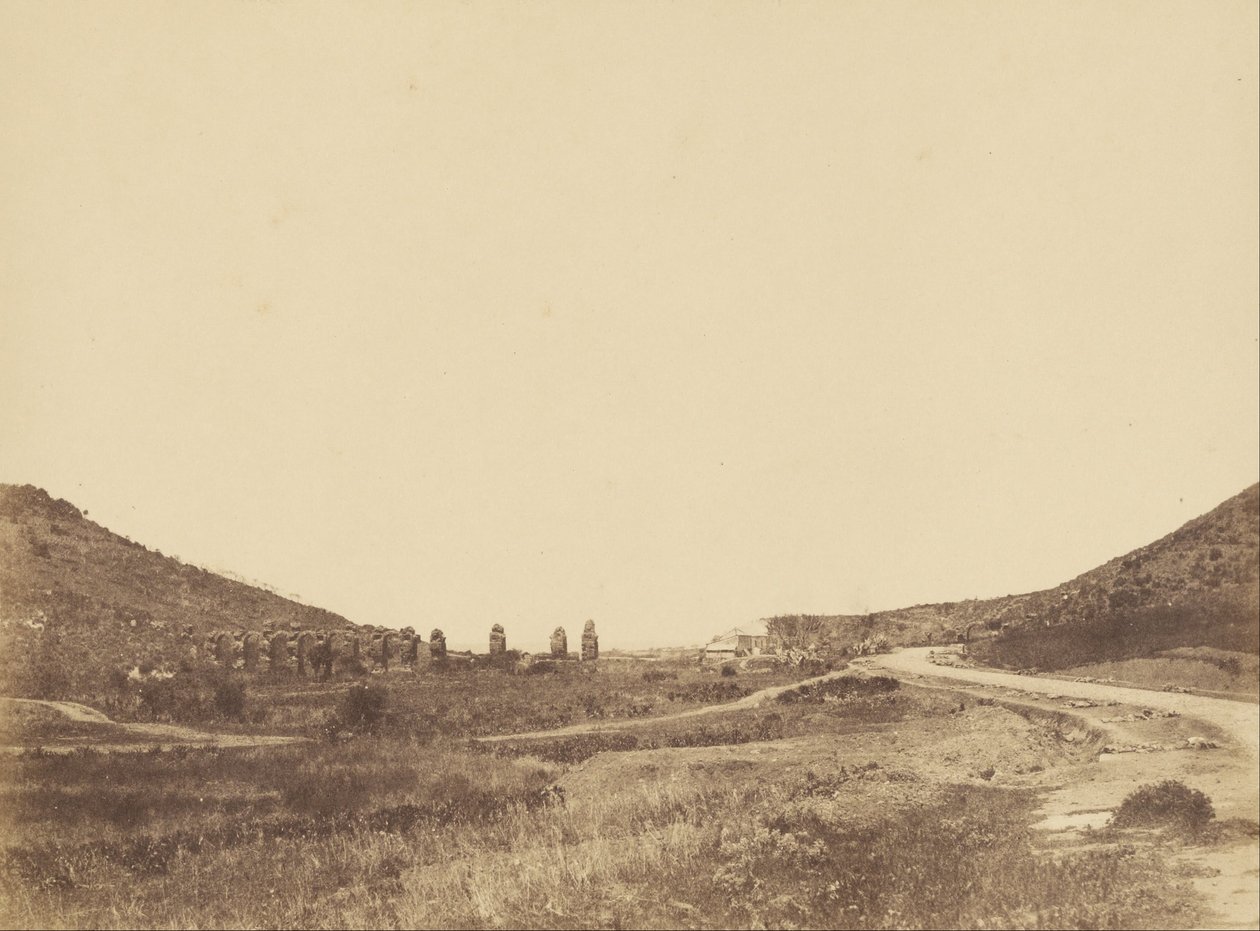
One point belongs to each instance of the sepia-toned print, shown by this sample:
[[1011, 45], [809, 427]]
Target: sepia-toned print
[[743, 464]]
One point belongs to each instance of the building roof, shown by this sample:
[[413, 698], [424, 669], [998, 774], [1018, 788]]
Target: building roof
[[755, 629]]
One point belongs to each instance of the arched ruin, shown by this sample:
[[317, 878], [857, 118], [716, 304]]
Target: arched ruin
[[224, 649], [305, 645], [251, 650]]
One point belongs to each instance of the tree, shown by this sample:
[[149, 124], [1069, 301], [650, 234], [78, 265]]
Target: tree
[[797, 631]]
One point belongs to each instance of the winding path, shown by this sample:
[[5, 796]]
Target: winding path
[[146, 736], [1240, 720], [748, 701], [1226, 873]]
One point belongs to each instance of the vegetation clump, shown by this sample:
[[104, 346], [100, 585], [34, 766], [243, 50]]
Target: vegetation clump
[[1165, 804], [839, 689], [195, 693], [362, 710], [708, 692]]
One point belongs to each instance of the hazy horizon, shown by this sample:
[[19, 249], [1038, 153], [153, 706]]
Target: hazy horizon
[[673, 317]]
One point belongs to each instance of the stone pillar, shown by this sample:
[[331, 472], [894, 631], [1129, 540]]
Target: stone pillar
[[590, 642], [252, 650], [559, 643], [331, 652], [305, 643], [278, 651], [224, 649], [389, 650], [420, 654], [498, 640], [437, 644]]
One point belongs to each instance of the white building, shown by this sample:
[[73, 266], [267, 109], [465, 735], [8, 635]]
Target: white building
[[749, 640]]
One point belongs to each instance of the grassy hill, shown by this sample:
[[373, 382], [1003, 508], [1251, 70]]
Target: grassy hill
[[1199, 586], [77, 600]]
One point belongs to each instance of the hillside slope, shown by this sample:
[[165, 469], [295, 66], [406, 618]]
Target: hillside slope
[[77, 600], [1197, 586]]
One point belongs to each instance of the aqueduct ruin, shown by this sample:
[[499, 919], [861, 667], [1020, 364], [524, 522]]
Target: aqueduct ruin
[[359, 650]]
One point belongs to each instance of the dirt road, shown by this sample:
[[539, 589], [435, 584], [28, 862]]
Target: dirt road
[[1084, 797], [748, 701], [1241, 721], [118, 737], [70, 710]]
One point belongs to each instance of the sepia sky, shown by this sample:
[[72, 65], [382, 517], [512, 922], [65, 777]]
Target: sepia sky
[[670, 315]]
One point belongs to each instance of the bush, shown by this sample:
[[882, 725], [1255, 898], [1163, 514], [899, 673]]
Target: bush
[[708, 693], [229, 699], [728, 671], [876, 643], [962, 860], [363, 708], [195, 693], [839, 689], [542, 667], [1168, 803], [659, 675]]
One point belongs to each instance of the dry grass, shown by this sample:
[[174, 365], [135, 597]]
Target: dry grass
[[387, 832]]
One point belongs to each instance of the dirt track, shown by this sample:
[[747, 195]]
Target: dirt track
[[146, 736], [1240, 720], [1086, 796], [70, 710], [748, 701]]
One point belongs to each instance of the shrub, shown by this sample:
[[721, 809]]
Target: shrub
[[1168, 803], [962, 860], [728, 671], [839, 689], [876, 643], [542, 667], [659, 675], [707, 692], [229, 698], [363, 708], [195, 693]]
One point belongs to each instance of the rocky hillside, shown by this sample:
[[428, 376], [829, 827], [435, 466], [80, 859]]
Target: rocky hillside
[[77, 600], [1197, 586]]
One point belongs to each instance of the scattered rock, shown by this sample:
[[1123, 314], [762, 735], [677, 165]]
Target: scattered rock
[[1201, 743]]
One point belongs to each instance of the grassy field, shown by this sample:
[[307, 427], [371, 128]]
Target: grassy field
[[855, 805], [461, 699]]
